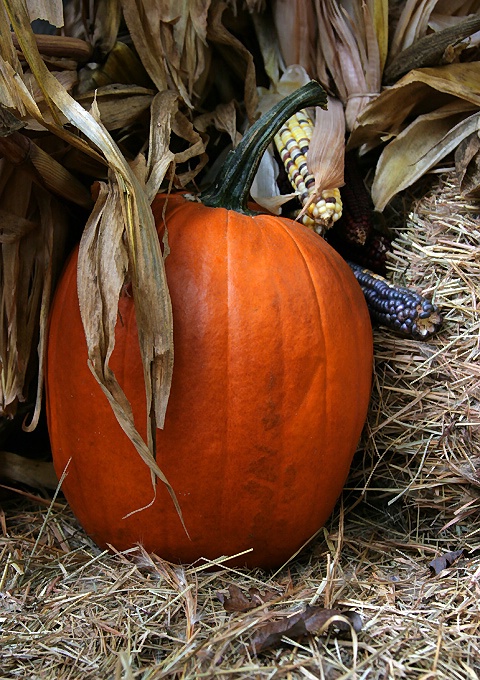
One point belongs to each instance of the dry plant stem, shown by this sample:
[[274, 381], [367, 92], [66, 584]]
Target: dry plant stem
[[429, 50], [61, 46]]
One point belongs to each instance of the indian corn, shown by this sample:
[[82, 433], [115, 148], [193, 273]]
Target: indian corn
[[320, 207]]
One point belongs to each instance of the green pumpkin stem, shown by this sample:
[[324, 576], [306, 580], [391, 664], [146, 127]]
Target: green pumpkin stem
[[232, 187]]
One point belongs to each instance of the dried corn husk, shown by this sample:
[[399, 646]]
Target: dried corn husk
[[352, 51], [34, 227], [451, 96], [418, 17], [443, 46], [420, 147], [45, 170], [127, 209], [297, 32], [326, 155], [175, 30]]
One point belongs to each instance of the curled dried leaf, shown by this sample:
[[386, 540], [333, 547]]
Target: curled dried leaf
[[419, 147], [310, 621], [418, 92], [238, 601], [170, 38], [446, 560], [467, 164]]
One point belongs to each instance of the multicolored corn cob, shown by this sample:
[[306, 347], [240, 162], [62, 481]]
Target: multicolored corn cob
[[320, 210], [401, 309]]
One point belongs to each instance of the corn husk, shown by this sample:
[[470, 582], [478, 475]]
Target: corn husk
[[420, 147], [326, 155], [418, 17], [178, 31], [297, 32], [450, 93], [352, 51], [34, 227]]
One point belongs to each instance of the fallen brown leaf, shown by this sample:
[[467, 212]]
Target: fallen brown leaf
[[237, 601], [310, 621], [467, 164], [446, 560]]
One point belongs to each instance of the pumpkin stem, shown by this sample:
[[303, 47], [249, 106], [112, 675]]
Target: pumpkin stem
[[232, 187]]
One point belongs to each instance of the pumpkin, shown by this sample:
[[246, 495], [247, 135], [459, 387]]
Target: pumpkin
[[271, 384]]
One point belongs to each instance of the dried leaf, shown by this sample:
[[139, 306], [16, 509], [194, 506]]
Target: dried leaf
[[237, 601], [467, 164], [419, 91], [44, 169], [106, 22], [14, 227], [103, 262], [446, 560], [223, 118], [30, 251], [183, 127], [411, 25], [350, 52], [218, 33], [430, 50], [50, 10], [34, 473], [170, 38], [379, 13], [311, 621], [164, 106], [419, 147], [119, 106], [126, 211], [269, 46]]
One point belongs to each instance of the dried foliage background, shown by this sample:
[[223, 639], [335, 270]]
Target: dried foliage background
[[68, 610]]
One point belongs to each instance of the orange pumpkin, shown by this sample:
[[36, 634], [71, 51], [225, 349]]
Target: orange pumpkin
[[271, 383]]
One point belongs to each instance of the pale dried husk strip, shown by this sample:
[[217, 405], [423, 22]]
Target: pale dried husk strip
[[296, 32], [352, 51], [326, 154]]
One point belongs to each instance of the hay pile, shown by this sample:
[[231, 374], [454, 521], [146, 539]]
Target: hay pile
[[68, 610], [422, 440]]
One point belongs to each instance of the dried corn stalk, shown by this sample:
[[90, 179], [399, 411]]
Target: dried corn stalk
[[34, 227], [175, 31]]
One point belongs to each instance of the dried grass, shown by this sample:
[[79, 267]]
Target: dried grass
[[69, 610]]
